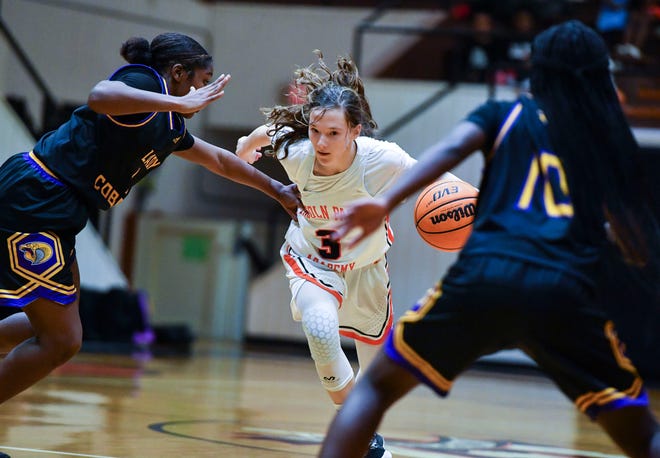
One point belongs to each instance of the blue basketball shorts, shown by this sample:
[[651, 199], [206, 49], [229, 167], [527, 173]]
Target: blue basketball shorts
[[39, 219], [486, 304]]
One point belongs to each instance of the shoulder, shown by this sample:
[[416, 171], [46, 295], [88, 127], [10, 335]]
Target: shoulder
[[492, 109], [490, 115], [383, 162], [381, 152], [139, 77]]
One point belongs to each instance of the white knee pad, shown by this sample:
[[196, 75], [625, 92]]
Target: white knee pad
[[321, 325], [321, 328], [336, 375]]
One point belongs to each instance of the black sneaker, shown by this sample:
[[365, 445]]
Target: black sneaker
[[377, 448], [4, 455]]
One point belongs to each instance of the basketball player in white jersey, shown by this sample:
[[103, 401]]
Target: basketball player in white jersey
[[325, 145]]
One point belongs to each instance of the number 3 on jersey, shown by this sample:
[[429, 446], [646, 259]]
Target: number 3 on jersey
[[329, 249], [556, 198]]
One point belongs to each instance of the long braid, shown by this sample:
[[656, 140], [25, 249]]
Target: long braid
[[591, 135]]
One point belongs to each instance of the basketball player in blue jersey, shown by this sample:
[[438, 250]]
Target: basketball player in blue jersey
[[131, 124], [559, 165]]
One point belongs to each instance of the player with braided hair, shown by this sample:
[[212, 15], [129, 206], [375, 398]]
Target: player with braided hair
[[559, 164], [326, 145]]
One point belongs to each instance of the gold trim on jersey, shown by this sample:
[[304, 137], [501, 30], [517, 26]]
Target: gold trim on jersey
[[170, 114], [411, 316], [150, 116], [609, 395], [18, 293], [42, 166], [510, 119], [133, 125], [623, 361], [612, 394]]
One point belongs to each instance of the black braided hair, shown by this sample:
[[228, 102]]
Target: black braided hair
[[571, 82]]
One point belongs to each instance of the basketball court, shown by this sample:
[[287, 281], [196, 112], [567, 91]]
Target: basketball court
[[228, 401]]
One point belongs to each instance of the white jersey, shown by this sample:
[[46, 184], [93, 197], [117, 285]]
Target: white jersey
[[377, 165]]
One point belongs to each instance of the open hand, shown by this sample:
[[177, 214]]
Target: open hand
[[197, 99]]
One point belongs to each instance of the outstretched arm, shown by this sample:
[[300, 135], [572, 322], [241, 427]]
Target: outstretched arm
[[249, 147], [224, 163], [116, 98], [366, 215]]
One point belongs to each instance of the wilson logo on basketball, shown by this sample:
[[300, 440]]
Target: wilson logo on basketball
[[456, 214]]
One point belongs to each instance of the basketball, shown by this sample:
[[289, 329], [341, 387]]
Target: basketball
[[444, 213]]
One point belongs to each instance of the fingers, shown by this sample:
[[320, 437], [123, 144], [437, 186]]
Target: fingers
[[350, 234], [224, 80], [293, 214], [220, 83], [215, 89], [345, 226]]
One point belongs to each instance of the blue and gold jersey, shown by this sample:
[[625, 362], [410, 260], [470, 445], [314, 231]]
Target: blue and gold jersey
[[525, 209], [101, 157]]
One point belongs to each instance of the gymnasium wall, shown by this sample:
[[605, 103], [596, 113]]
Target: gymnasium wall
[[73, 44]]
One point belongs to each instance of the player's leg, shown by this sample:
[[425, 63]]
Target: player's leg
[[14, 329], [352, 429], [57, 337], [367, 315], [634, 429], [365, 355], [318, 310], [571, 338]]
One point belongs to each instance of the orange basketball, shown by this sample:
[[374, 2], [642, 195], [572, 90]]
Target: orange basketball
[[444, 213]]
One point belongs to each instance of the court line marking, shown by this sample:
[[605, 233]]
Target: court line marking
[[55, 452], [161, 427]]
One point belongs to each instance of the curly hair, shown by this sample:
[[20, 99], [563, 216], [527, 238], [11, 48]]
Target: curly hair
[[321, 88]]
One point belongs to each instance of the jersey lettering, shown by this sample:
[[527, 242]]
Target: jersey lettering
[[556, 198], [150, 160], [109, 193], [316, 211]]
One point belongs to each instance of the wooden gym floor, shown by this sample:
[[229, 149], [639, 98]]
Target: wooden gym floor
[[225, 401]]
